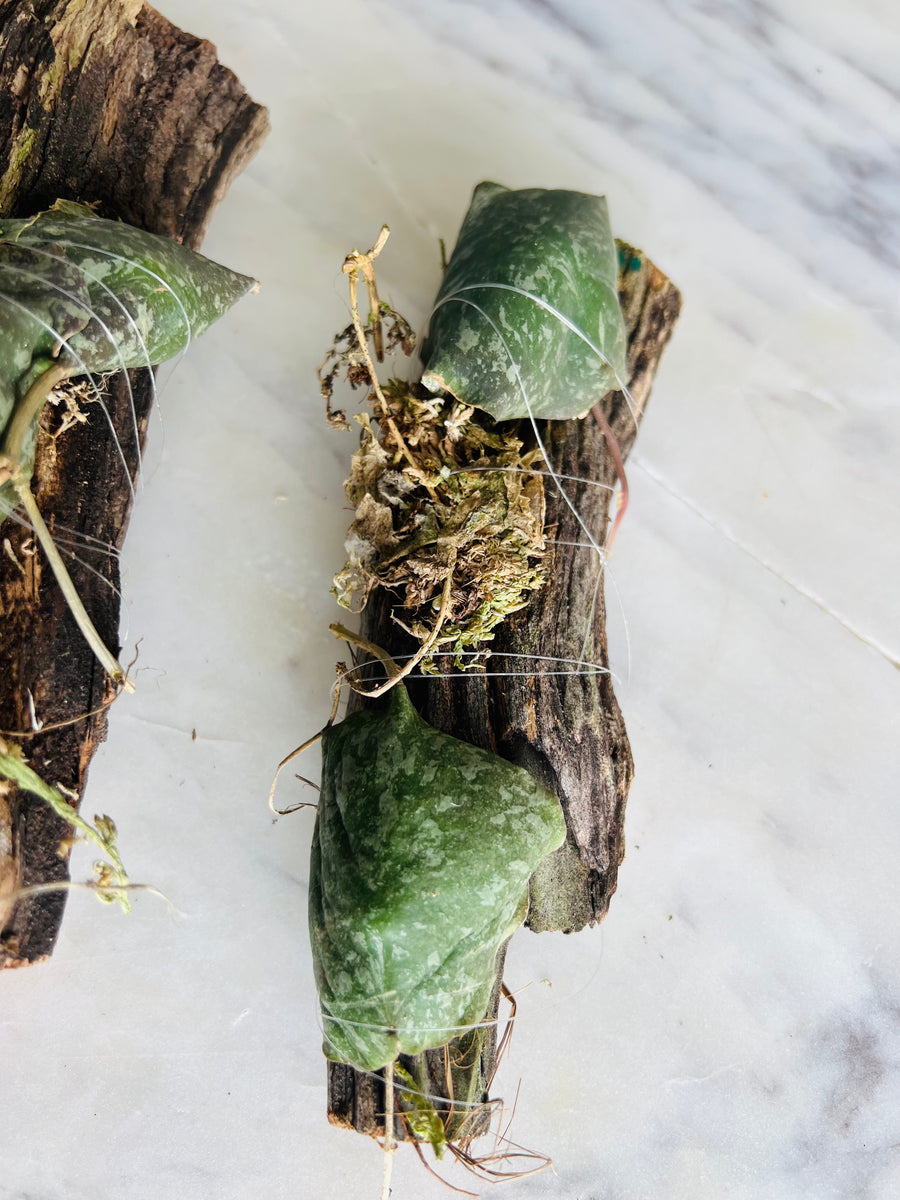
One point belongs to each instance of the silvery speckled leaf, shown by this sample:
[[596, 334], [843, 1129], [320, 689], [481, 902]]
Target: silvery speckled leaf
[[38, 310], [493, 346], [97, 296], [420, 862], [41, 303], [149, 296]]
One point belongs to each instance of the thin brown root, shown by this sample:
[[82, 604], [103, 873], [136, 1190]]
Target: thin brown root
[[616, 455], [506, 1038], [431, 1171], [279, 812], [30, 733], [497, 1166], [481, 1166], [504, 1134], [294, 754], [422, 652], [309, 783]]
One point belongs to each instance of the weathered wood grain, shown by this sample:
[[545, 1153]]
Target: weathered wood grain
[[102, 101]]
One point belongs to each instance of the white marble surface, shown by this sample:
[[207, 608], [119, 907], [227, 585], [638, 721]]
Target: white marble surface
[[733, 1030]]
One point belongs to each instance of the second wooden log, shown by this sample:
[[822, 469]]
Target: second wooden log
[[567, 729]]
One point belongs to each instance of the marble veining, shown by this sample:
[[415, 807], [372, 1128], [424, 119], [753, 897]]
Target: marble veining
[[719, 92], [733, 1029]]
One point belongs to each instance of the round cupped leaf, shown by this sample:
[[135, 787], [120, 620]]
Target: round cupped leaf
[[527, 321], [421, 857]]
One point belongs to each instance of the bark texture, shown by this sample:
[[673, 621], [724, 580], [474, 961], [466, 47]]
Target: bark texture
[[102, 101], [567, 729]]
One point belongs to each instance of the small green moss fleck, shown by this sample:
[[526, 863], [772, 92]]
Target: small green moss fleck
[[22, 148]]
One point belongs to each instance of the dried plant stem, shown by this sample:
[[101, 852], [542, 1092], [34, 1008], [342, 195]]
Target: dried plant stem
[[355, 263], [105, 657], [408, 667], [25, 413], [54, 725], [11, 471], [283, 812], [356, 639], [14, 768], [311, 741]]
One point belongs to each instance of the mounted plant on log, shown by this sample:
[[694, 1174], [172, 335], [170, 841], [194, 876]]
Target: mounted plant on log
[[79, 297], [454, 552], [183, 128]]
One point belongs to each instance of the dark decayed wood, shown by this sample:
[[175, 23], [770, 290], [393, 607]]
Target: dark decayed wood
[[101, 101], [567, 730]]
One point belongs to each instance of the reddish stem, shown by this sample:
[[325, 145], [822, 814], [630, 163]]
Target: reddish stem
[[616, 454]]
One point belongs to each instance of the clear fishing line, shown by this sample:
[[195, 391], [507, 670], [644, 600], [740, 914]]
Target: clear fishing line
[[556, 476], [85, 541], [166, 287], [4, 298], [67, 545], [129, 316], [172, 364], [581, 667], [393, 1030], [549, 474], [7, 510], [135, 328], [562, 318], [537, 433]]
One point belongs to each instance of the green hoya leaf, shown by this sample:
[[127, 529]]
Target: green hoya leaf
[[41, 304], [36, 313], [420, 862], [529, 268], [96, 295], [148, 297]]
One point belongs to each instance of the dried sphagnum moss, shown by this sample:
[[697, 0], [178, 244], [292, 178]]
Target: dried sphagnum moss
[[438, 488]]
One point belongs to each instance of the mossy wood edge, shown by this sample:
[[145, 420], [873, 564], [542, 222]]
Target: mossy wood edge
[[103, 101], [568, 731]]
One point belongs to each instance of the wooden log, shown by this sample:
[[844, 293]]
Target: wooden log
[[566, 729], [106, 102]]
